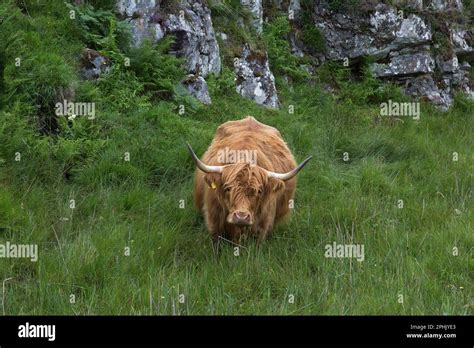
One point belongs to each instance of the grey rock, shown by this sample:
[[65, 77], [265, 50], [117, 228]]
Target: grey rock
[[413, 31], [197, 87], [465, 66], [425, 87], [455, 75], [463, 40], [401, 44], [444, 5], [139, 13], [142, 29], [254, 80], [450, 65], [223, 36], [132, 7], [384, 22], [383, 31], [403, 65], [256, 9], [295, 47], [294, 8], [93, 64], [413, 4], [195, 39]]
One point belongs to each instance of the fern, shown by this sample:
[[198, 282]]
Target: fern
[[282, 61], [156, 69], [99, 29]]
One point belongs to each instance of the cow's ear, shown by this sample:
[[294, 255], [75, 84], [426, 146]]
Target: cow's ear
[[276, 185], [213, 180]]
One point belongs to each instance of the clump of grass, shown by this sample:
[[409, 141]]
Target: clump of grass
[[41, 80]]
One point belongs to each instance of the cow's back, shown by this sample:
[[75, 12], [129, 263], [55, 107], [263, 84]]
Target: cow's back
[[249, 134]]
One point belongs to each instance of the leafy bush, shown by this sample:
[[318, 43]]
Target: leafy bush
[[224, 84], [99, 29], [282, 61], [120, 90], [311, 36], [10, 22], [157, 70], [359, 87]]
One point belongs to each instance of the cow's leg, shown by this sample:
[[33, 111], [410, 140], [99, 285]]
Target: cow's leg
[[264, 225], [263, 232], [263, 229]]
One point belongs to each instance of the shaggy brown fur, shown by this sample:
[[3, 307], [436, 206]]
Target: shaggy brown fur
[[244, 186]]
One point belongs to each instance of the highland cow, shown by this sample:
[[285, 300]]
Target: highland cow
[[238, 197]]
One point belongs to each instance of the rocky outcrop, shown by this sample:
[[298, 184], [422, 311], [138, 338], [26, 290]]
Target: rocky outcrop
[[139, 14], [444, 5], [402, 45], [426, 87], [190, 22], [195, 38], [374, 35], [254, 80]]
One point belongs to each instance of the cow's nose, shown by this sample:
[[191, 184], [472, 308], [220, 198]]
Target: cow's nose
[[241, 217]]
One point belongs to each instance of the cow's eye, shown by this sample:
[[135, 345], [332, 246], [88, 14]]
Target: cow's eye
[[227, 189], [260, 191]]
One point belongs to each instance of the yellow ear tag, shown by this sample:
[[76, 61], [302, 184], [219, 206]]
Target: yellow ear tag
[[213, 186]]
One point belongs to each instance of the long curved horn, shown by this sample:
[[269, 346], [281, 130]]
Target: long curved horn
[[290, 174], [204, 167]]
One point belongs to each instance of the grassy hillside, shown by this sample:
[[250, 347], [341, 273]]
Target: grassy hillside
[[135, 204]]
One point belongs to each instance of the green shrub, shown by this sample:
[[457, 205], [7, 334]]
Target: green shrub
[[463, 103], [11, 20], [99, 29], [104, 4], [282, 61], [358, 85], [157, 70], [311, 36], [224, 84], [121, 91], [231, 9]]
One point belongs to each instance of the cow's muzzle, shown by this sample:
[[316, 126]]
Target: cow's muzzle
[[240, 218]]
